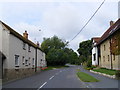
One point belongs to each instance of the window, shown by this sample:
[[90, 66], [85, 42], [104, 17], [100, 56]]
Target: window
[[29, 48], [94, 55], [103, 58], [23, 60], [104, 47], [26, 62], [33, 61], [29, 60], [114, 57], [24, 46], [108, 58], [16, 60]]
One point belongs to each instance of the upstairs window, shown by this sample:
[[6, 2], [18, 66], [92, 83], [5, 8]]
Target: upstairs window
[[24, 46], [26, 62], [23, 60], [16, 60], [108, 58], [33, 61], [104, 47]]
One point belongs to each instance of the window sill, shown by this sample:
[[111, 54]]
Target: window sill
[[16, 65], [24, 49]]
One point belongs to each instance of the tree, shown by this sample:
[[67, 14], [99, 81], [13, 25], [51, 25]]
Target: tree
[[57, 52], [85, 50]]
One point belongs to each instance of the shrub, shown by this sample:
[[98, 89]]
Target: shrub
[[117, 74]]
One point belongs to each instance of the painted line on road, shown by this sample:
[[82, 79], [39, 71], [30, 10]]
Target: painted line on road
[[42, 85], [87, 86], [51, 77]]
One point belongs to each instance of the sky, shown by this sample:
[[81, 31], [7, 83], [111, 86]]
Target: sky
[[63, 18]]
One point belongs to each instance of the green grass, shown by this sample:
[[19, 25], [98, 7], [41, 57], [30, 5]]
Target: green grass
[[78, 70], [86, 77], [106, 71], [54, 67]]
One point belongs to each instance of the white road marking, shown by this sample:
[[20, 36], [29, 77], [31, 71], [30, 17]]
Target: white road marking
[[51, 77], [42, 85], [87, 86]]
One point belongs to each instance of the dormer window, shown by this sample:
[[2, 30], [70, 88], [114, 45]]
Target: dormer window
[[24, 46]]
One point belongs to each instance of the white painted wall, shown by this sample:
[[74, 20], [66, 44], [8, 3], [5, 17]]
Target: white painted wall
[[40, 59], [5, 45], [10, 45], [94, 51], [16, 48]]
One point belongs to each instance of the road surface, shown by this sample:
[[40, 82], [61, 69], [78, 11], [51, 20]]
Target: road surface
[[62, 78]]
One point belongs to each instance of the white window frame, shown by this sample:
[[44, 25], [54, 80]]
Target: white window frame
[[24, 45], [17, 58]]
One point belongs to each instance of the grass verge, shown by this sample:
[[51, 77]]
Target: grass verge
[[86, 77], [106, 71], [54, 67]]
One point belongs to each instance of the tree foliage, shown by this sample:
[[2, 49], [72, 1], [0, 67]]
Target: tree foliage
[[85, 51], [57, 52]]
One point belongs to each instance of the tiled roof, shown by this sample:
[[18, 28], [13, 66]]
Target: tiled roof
[[110, 31], [96, 39], [20, 36]]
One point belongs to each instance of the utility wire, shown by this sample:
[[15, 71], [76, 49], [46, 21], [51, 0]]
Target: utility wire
[[87, 22]]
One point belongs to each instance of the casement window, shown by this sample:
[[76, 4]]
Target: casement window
[[33, 61], [103, 58], [108, 58], [29, 48], [94, 56], [114, 57], [29, 60], [26, 62], [23, 60], [16, 60], [104, 48], [24, 46]]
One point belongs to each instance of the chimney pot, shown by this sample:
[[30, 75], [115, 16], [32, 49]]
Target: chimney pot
[[25, 34], [111, 23]]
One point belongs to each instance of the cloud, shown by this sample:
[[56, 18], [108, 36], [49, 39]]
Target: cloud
[[63, 19]]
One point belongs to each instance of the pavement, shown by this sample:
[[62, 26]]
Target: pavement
[[62, 78]]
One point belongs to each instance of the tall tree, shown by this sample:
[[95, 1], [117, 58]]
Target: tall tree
[[85, 50], [57, 53]]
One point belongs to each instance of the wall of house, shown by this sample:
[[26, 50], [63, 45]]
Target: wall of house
[[11, 46], [22, 69], [40, 60], [105, 55], [94, 51]]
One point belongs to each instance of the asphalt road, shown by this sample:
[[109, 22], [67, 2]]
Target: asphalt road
[[62, 78]]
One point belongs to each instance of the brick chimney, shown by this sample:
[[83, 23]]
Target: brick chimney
[[25, 35], [111, 23]]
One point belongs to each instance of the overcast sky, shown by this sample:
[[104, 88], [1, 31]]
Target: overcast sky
[[61, 18]]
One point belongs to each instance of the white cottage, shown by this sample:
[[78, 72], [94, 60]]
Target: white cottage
[[22, 56], [95, 51]]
